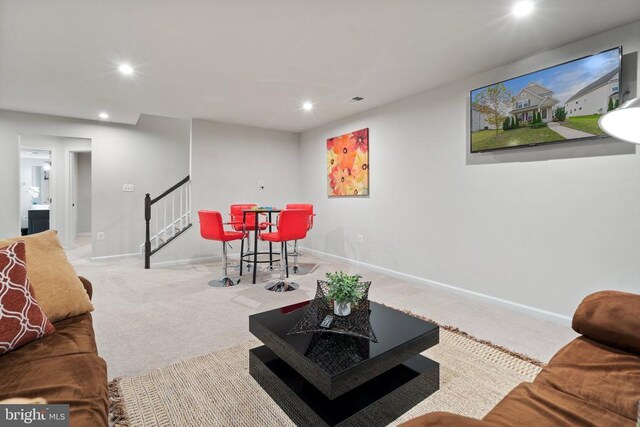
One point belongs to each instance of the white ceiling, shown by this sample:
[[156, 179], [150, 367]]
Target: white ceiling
[[254, 61]]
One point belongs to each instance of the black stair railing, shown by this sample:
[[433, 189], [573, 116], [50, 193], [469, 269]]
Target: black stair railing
[[178, 224]]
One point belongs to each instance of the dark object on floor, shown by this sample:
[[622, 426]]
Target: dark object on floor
[[63, 368], [305, 268], [281, 286], [594, 380]]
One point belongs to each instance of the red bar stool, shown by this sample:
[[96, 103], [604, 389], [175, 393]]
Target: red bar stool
[[245, 224], [309, 209], [292, 225], [212, 228]]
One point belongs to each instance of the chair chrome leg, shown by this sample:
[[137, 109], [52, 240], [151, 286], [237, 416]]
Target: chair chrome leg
[[225, 280], [281, 284], [295, 257], [248, 250], [241, 254]]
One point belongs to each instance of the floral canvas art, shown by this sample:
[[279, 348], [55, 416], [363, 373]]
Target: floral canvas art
[[348, 164]]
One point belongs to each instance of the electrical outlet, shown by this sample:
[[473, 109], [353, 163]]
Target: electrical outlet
[[360, 238], [100, 235], [261, 185], [128, 187]]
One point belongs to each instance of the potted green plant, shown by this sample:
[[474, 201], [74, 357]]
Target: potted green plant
[[344, 290]]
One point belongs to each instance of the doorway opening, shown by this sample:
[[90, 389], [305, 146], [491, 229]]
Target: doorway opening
[[65, 194], [80, 198], [35, 191]]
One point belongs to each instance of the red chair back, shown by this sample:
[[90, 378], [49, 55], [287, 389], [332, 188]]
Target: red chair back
[[211, 227], [303, 206], [236, 216], [293, 224]]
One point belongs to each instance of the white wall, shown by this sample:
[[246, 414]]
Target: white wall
[[83, 202], [227, 163], [541, 226], [152, 155]]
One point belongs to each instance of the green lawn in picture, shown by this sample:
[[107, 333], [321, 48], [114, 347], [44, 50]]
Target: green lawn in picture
[[587, 124], [487, 139]]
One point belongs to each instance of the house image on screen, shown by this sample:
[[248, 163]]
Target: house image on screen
[[594, 98], [534, 98], [479, 120]]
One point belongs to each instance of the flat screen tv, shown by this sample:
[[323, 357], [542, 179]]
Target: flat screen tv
[[555, 104]]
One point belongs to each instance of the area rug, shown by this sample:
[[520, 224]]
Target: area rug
[[217, 390]]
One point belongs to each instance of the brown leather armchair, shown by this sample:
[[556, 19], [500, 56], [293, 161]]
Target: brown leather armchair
[[592, 381]]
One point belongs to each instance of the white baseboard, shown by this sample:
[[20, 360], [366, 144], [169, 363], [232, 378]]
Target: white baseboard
[[185, 261], [108, 257], [162, 263], [84, 234], [522, 308]]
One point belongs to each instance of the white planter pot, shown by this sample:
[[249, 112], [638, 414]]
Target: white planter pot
[[341, 308]]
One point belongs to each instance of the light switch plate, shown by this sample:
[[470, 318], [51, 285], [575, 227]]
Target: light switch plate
[[128, 187]]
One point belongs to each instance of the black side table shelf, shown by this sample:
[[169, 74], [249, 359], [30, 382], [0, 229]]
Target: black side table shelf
[[341, 380]]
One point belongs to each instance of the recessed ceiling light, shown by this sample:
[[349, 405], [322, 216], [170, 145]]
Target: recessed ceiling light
[[307, 106], [103, 115], [523, 8], [125, 69]]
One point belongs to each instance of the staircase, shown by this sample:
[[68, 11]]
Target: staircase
[[168, 215]]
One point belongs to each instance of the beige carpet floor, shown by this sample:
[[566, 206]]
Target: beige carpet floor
[[217, 390], [147, 319]]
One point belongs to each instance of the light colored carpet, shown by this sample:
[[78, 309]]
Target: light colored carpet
[[147, 319], [217, 390]]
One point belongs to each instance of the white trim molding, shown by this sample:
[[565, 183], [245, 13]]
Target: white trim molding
[[108, 257], [515, 306], [185, 261]]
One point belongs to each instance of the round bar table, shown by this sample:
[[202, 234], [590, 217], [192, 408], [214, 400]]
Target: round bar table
[[255, 253]]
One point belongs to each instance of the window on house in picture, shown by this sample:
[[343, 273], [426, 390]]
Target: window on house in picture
[[614, 89], [580, 108], [544, 113], [576, 102]]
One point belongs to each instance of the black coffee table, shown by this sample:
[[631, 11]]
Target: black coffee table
[[333, 379]]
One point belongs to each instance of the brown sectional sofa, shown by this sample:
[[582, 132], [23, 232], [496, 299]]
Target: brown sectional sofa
[[61, 368], [592, 381]]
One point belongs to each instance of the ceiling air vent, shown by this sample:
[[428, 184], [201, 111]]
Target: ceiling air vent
[[354, 100]]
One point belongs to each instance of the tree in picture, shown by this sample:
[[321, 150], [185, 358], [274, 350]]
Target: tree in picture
[[560, 114], [494, 102]]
